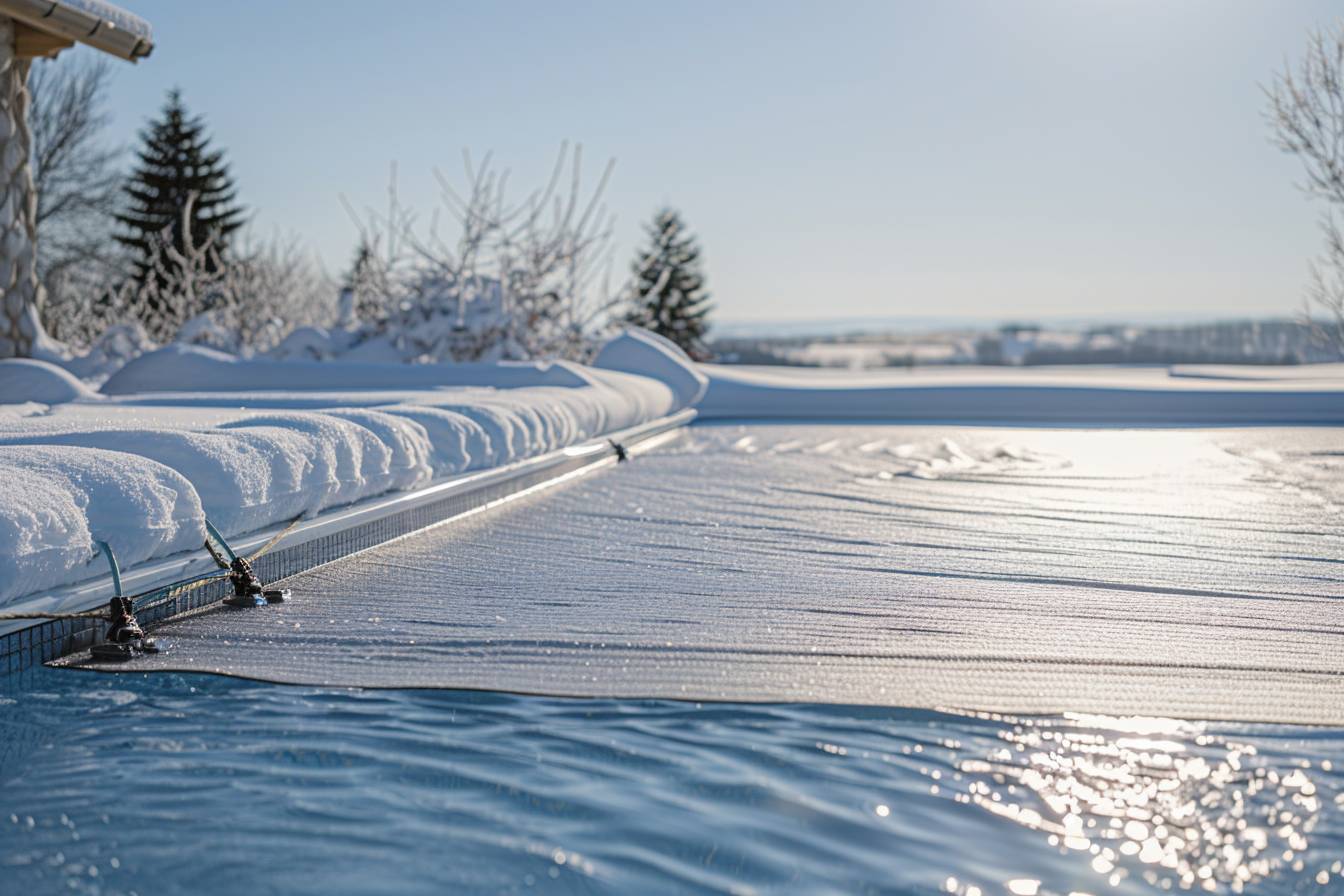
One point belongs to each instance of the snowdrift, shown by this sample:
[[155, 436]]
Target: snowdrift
[[1106, 397], [648, 354], [254, 443], [190, 368], [24, 380]]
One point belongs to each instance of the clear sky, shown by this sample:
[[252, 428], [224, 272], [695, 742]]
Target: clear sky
[[988, 159]]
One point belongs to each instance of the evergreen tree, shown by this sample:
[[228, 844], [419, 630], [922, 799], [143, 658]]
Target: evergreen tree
[[177, 169], [669, 290]]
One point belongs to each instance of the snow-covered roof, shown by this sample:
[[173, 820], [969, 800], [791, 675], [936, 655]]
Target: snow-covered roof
[[95, 23], [114, 14]]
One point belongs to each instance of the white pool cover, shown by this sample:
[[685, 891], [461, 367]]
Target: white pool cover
[[1193, 574]]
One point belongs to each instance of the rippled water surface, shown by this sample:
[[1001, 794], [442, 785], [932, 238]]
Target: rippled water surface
[[195, 784]]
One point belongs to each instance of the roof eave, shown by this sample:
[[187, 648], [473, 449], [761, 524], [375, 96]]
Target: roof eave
[[80, 26]]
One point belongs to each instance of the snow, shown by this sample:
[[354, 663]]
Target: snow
[[111, 351], [190, 368], [240, 478], [407, 442], [648, 354], [59, 500], [255, 443], [1055, 396], [24, 380], [119, 17]]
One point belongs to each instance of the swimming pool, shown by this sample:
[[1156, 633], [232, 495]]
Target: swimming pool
[[1218, 542], [201, 784]]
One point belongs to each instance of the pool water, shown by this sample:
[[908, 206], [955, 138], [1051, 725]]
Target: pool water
[[198, 784]]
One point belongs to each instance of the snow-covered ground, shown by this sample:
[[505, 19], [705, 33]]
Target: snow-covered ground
[[182, 434], [1065, 396]]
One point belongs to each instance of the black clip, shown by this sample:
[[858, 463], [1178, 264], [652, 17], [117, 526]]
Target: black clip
[[123, 628], [247, 588], [125, 638], [622, 455]]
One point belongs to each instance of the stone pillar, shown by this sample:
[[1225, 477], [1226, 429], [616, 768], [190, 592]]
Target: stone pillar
[[20, 295]]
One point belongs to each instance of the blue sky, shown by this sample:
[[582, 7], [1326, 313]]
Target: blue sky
[[983, 159]]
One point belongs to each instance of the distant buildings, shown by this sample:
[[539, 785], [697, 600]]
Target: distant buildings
[[1231, 342]]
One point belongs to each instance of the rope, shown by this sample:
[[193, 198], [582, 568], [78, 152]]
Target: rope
[[149, 599], [275, 539], [86, 614], [233, 555]]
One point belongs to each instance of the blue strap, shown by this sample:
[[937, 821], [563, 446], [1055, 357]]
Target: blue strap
[[112, 562], [214, 533]]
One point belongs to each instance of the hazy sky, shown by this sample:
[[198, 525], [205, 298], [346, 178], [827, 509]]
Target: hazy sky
[[989, 159]]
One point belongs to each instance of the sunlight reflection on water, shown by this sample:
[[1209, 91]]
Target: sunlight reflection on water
[[1158, 798]]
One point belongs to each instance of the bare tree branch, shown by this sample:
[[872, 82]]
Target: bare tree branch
[[77, 179], [519, 279], [1306, 112]]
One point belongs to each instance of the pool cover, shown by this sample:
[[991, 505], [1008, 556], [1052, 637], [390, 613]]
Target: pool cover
[[1183, 573]]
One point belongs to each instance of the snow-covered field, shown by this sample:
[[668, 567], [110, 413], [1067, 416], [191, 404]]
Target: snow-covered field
[[1064, 396]]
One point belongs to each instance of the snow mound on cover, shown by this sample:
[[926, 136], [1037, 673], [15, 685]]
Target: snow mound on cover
[[407, 441], [268, 469], [23, 380], [191, 368], [60, 500], [338, 461], [243, 480], [457, 443], [644, 353]]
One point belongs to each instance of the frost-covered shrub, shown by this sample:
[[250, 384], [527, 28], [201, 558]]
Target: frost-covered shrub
[[107, 353], [517, 280]]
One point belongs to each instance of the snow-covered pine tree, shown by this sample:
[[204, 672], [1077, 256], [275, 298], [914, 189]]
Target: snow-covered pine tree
[[669, 294], [180, 189]]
